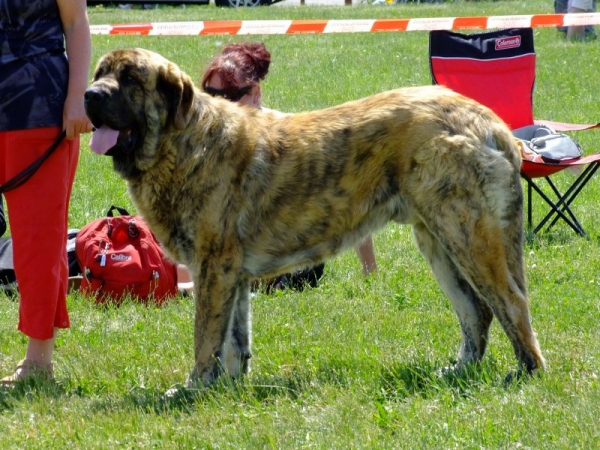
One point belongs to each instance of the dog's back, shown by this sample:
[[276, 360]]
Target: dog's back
[[317, 182]]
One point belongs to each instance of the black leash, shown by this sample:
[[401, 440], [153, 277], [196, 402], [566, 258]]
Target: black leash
[[28, 172]]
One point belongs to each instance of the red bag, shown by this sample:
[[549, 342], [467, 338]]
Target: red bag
[[120, 256]]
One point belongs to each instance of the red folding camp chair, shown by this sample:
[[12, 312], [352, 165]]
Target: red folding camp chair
[[498, 69]]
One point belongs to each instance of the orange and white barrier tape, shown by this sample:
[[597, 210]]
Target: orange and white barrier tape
[[345, 26]]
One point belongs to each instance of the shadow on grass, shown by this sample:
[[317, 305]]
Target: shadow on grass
[[256, 390], [253, 391], [422, 378], [181, 399], [555, 236], [29, 390], [427, 379]]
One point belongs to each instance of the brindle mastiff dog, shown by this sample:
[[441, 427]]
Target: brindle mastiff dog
[[237, 193]]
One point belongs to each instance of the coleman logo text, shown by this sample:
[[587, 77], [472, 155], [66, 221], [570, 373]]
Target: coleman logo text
[[508, 42]]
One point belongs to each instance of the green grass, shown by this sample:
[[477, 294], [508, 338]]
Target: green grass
[[353, 363]]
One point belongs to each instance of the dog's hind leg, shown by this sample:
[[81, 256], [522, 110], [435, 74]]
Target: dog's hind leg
[[497, 273], [529, 354], [238, 341], [481, 252], [474, 314]]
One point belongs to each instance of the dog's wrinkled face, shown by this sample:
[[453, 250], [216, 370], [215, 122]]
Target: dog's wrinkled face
[[136, 96]]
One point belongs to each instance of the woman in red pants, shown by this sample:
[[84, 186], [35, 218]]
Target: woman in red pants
[[41, 94]]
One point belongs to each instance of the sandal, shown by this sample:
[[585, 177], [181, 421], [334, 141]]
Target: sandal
[[28, 370]]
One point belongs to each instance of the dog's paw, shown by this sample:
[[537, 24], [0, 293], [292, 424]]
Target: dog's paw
[[452, 369], [237, 364], [515, 377], [203, 378], [179, 396], [177, 393], [520, 375]]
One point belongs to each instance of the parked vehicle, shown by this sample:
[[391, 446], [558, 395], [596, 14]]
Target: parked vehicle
[[238, 3], [147, 3]]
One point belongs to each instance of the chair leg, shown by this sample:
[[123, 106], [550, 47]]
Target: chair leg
[[567, 198], [529, 198], [578, 185], [555, 209], [563, 202]]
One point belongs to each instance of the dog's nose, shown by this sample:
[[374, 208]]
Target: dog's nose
[[93, 95]]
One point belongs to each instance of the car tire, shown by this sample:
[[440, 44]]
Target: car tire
[[238, 3]]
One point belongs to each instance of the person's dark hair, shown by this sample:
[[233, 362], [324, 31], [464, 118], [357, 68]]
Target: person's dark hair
[[240, 64]]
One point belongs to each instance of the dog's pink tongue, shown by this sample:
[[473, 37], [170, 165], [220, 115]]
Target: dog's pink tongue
[[103, 139]]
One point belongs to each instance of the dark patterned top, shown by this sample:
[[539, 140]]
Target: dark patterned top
[[33, 65]]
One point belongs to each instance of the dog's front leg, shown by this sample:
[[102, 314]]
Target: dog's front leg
[[238, 341], [215, 293]]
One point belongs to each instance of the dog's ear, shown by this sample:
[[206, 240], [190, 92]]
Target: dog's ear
[[177, 87]]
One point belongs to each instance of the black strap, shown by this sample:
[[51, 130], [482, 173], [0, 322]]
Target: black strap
[[113, 208], [133, 231], [28, 172]]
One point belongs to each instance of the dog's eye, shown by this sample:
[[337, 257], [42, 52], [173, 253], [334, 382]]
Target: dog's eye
[[127, 76]]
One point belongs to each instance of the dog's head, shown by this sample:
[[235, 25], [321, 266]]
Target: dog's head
[[136, 97]]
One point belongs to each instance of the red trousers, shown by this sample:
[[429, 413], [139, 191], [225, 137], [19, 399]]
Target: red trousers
[[38, 217]]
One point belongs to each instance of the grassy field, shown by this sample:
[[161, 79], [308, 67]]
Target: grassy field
[[354, 363]]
